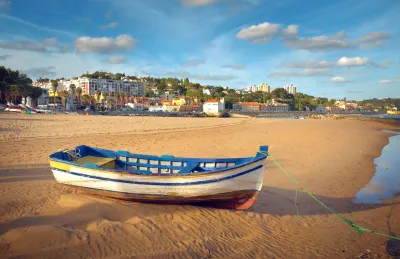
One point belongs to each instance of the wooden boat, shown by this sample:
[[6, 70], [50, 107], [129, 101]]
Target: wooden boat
[[225, 182]]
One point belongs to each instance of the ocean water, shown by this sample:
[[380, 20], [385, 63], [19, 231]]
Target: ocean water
[[281, 117], [385, 184], [382, 116]]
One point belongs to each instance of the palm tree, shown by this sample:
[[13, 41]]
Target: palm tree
[[98, 94], [79, 94], [64, 95], [105, 95], [111, 102], [36, 93], [85, 99], [117, 95], [14, 92], [54, 86], [72, 90]]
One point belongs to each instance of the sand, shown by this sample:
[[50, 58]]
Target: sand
[[332, 158]]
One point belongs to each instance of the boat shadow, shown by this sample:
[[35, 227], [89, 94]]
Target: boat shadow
[[281, 202]]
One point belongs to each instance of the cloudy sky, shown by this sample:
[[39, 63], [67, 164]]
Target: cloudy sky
[[341, 48]]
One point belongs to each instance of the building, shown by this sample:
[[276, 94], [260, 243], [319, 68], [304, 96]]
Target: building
[[214, 106], [252, 88], [290, 89], [197, 108], [169, 95], [155, 108], [334, 109], [91, 85], [276, 107], [264, 87], [321, 109]]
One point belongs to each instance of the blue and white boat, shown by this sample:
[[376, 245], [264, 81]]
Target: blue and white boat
[[224, 182]]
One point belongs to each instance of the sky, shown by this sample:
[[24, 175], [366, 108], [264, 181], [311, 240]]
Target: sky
[[336, 49]]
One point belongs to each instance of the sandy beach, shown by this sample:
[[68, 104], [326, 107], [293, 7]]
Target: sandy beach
[[334, 159]]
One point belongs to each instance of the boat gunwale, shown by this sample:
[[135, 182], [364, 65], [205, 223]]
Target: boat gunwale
[[200, 182], [187, 175]]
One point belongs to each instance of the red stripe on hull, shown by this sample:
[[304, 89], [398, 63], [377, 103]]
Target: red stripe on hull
[[238, 200]]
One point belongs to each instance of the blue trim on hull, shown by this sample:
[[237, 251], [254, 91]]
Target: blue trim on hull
[[162, 184]]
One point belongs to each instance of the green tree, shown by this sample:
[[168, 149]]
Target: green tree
[[79, 94], [64, 96], [54, 86], [118, 76], [117, 96], [186, 82], [111, 102], [36, 93], [72, 90], [280, 93]]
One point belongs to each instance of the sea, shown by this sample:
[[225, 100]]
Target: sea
[[385, 184]]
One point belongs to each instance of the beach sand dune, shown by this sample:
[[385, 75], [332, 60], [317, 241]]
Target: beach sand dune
[[40, 218]]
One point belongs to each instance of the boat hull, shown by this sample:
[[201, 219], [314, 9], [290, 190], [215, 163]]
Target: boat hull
[[235, 189], [239, 200]]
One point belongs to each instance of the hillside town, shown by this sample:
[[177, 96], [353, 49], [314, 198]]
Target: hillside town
[[106, 91]]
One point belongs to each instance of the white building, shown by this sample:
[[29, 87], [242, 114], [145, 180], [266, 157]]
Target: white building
[[214, 106], [91, 85], [264, 87], [169, 95], [290, 89], [252, 88]]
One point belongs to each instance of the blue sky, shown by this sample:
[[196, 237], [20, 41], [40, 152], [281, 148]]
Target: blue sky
[[326, 48]]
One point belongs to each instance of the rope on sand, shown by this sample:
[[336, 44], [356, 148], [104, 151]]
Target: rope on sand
[[359, 229]]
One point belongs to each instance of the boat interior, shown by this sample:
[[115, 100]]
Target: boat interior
[[124, 161]]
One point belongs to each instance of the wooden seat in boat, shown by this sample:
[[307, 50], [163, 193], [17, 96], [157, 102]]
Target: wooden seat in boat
[[106, 162]]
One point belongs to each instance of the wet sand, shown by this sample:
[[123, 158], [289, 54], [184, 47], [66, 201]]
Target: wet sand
[[332, 158]]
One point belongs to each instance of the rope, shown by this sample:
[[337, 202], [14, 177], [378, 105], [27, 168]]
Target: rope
[[358, 228]]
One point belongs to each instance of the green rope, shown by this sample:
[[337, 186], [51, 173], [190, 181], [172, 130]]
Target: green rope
[[359, 229]]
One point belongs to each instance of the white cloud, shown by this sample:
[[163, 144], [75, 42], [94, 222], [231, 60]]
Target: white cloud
[[196, 3], [234, 66], [349, 62], [386, 81], [260, 33], [123, 42], [43, 46], [116, 60], [338, 79], [193, 62], [308, 72], [5, 57], [337, 41], [205, 77], [309, 64], [214, 77], [291, 30], [383, 64], [40, 71], [373, 39], [109, 26], [264, 32]]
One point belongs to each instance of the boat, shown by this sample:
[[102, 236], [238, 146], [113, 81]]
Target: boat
[[232, 183], [15, 108], [393, 112]]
